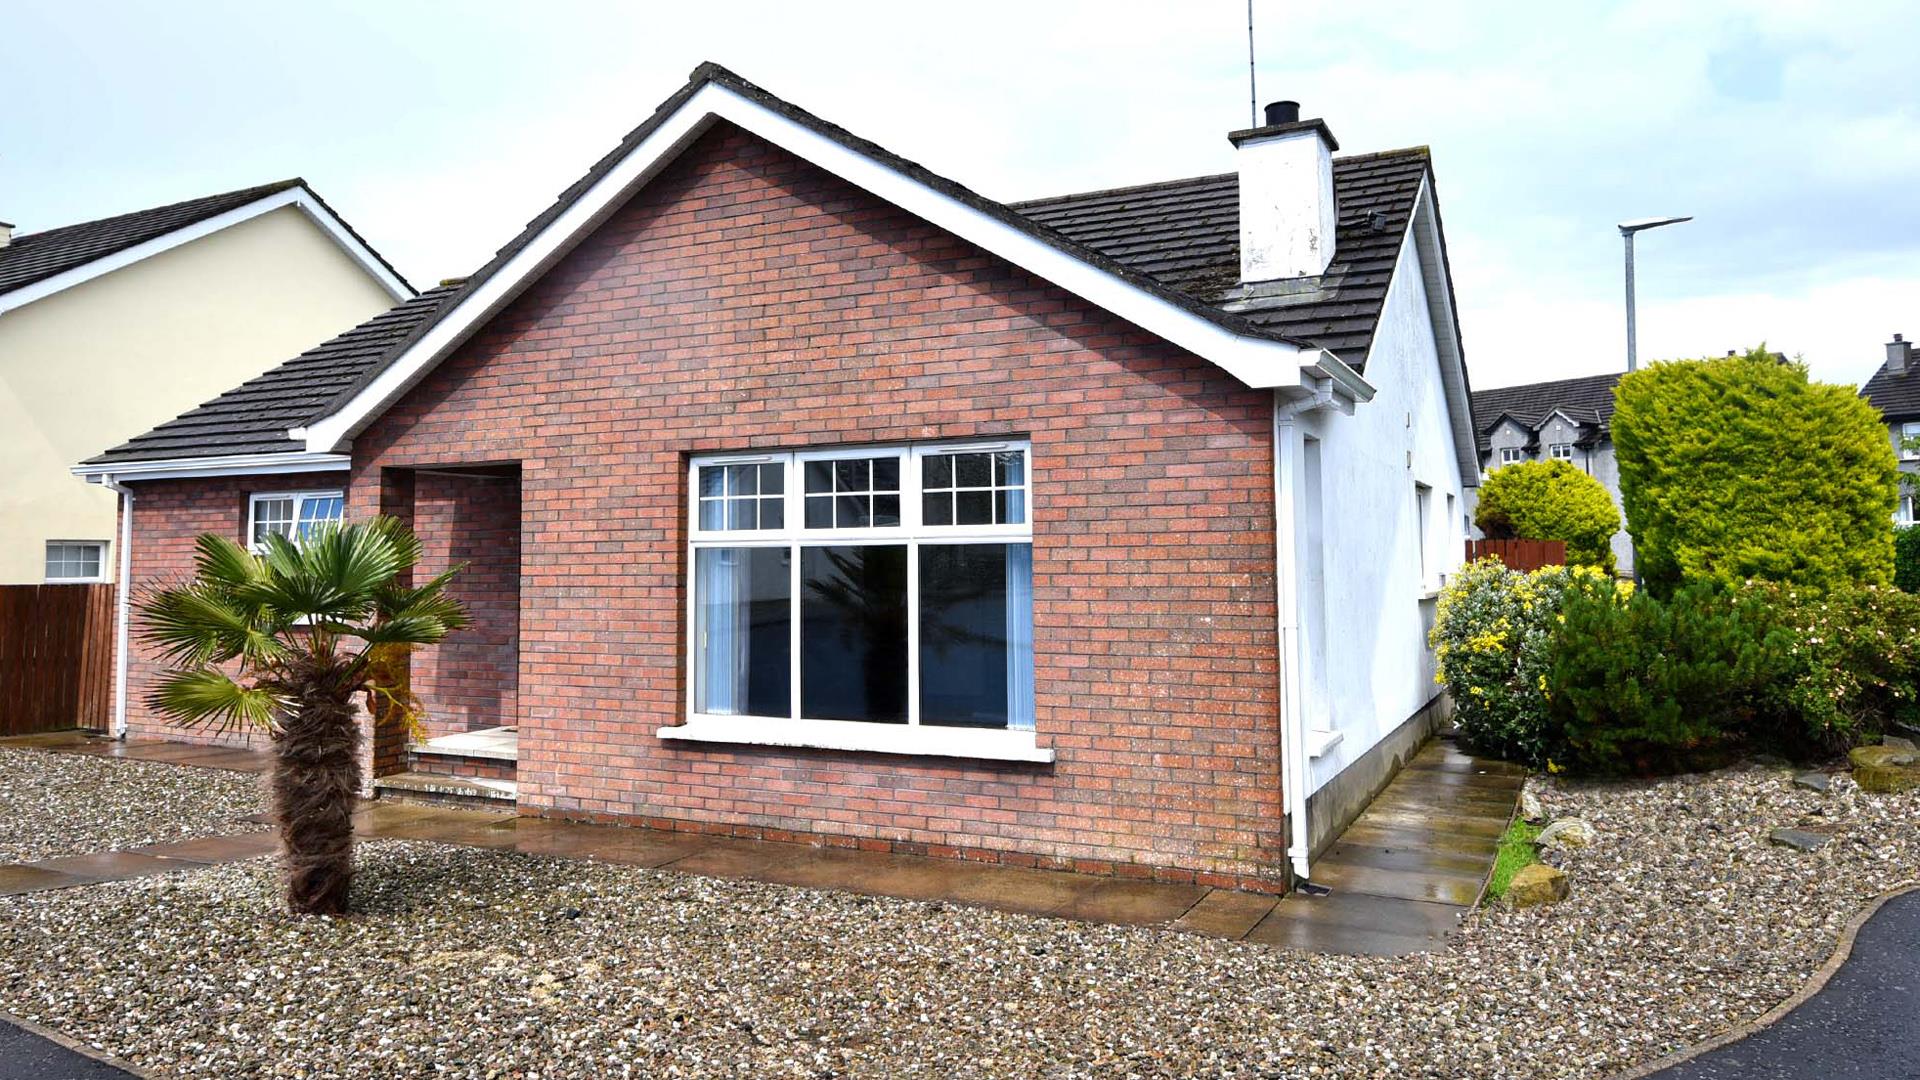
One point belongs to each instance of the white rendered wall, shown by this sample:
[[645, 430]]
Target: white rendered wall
[[1378, 669]]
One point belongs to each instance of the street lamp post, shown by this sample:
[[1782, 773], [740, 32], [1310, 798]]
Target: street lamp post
[[1627, 229]]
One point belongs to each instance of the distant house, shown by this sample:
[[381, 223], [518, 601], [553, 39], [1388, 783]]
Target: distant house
[[1568, 419], [1895, 390], [806, 494], [112, 326]]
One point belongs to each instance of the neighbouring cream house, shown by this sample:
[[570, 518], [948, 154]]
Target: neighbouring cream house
[[109, 327]]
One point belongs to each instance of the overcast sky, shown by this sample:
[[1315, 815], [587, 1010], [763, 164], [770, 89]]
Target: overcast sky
[[1791, 130]]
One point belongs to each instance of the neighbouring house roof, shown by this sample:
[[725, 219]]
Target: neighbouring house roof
[[1587, 401], [1186, 235], [42, 258], [1178, 267], [253, 417], [1896, 396]]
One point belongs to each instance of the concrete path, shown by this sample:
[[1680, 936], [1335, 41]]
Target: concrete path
[[1411, 866], [1864, 1024], [1400, 879]]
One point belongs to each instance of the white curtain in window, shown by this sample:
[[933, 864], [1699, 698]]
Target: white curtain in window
[[722, 588], [1020, 637]]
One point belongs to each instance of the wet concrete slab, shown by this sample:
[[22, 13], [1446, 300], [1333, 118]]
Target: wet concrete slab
[[1225, 913], [217, 849], [20, 878], [111, 865], [1137, 903]]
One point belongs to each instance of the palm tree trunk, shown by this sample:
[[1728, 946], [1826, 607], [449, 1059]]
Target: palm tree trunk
[[315, 783]]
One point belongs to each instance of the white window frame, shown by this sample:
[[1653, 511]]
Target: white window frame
[[104, 574], [1512, 455], [1908, 430], [1903, 513], [1554, 451], [912, 737], [299, 498]]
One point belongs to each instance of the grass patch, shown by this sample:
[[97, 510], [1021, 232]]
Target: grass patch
[[1516, 851]]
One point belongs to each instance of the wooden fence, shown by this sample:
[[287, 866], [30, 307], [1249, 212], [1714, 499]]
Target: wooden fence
[[56, 657], [1520, 554]]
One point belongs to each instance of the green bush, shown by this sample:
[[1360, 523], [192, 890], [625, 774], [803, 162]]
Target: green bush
[[1550, 500], [1852, 666], [1906, 558], [1741, 468], [1654, 685], [1491, 637]]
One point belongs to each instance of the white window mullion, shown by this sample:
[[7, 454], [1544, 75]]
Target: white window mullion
[[913, 632], [793, 629]]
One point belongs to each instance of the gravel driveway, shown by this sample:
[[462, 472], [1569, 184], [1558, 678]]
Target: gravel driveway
[[475, 963], [65, 804]]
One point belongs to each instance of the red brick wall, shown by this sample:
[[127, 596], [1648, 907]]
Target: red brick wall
[[168, 516], [470, 680], [748, 300]]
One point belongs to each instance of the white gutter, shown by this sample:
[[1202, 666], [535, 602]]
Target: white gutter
[[123, 606], [298, 461]]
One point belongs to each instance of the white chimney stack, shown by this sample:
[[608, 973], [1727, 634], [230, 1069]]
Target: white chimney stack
[[1287, 211], [6, 233], [1899, 351]]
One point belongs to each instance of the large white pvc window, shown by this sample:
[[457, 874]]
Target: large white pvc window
[[870, 586], [293, 514]]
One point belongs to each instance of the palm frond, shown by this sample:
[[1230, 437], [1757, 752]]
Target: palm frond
[[206, 696], [199, 624], [221, 562], [407, 628], [333, 574]]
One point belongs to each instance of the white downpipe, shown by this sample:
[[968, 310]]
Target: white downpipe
[[123, 606], [1293, 755]]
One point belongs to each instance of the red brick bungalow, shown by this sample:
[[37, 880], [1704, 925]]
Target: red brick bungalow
[[808, 495]]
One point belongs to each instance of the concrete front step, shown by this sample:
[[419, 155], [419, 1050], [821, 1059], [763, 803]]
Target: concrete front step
[[425, 787]]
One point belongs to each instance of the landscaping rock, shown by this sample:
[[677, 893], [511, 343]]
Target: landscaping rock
[[1566, 833], [1530, 808], [1814, 781], [1885, 769], [1899, 742], [1538, 884], [1798, 839]]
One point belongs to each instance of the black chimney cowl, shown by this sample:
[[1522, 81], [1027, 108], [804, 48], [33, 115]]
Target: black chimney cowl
[[1282, 112]]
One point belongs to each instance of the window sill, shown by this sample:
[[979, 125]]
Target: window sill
[[915, 741]]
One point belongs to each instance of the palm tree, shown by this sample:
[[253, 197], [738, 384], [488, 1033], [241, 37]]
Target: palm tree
[[284, 641]]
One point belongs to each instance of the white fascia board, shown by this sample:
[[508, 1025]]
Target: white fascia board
[[230, 465], [1257, 362], [1430, 248], [296, 196]]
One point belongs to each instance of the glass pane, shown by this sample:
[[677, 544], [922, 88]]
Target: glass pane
[[89, 565], [1010, 507], [819, 510], [886, 511], [713, 480], [743, 479], [773, 513], [850, 511], [853, 633], [773, 479], [819, 476], [742, 624], [1010, 468], [741, 515], [851, 475], [972, 470], [713, 514], [316, 513], [937, 508], [886, 474], [973, 508], [937, 471], [976, 637]]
